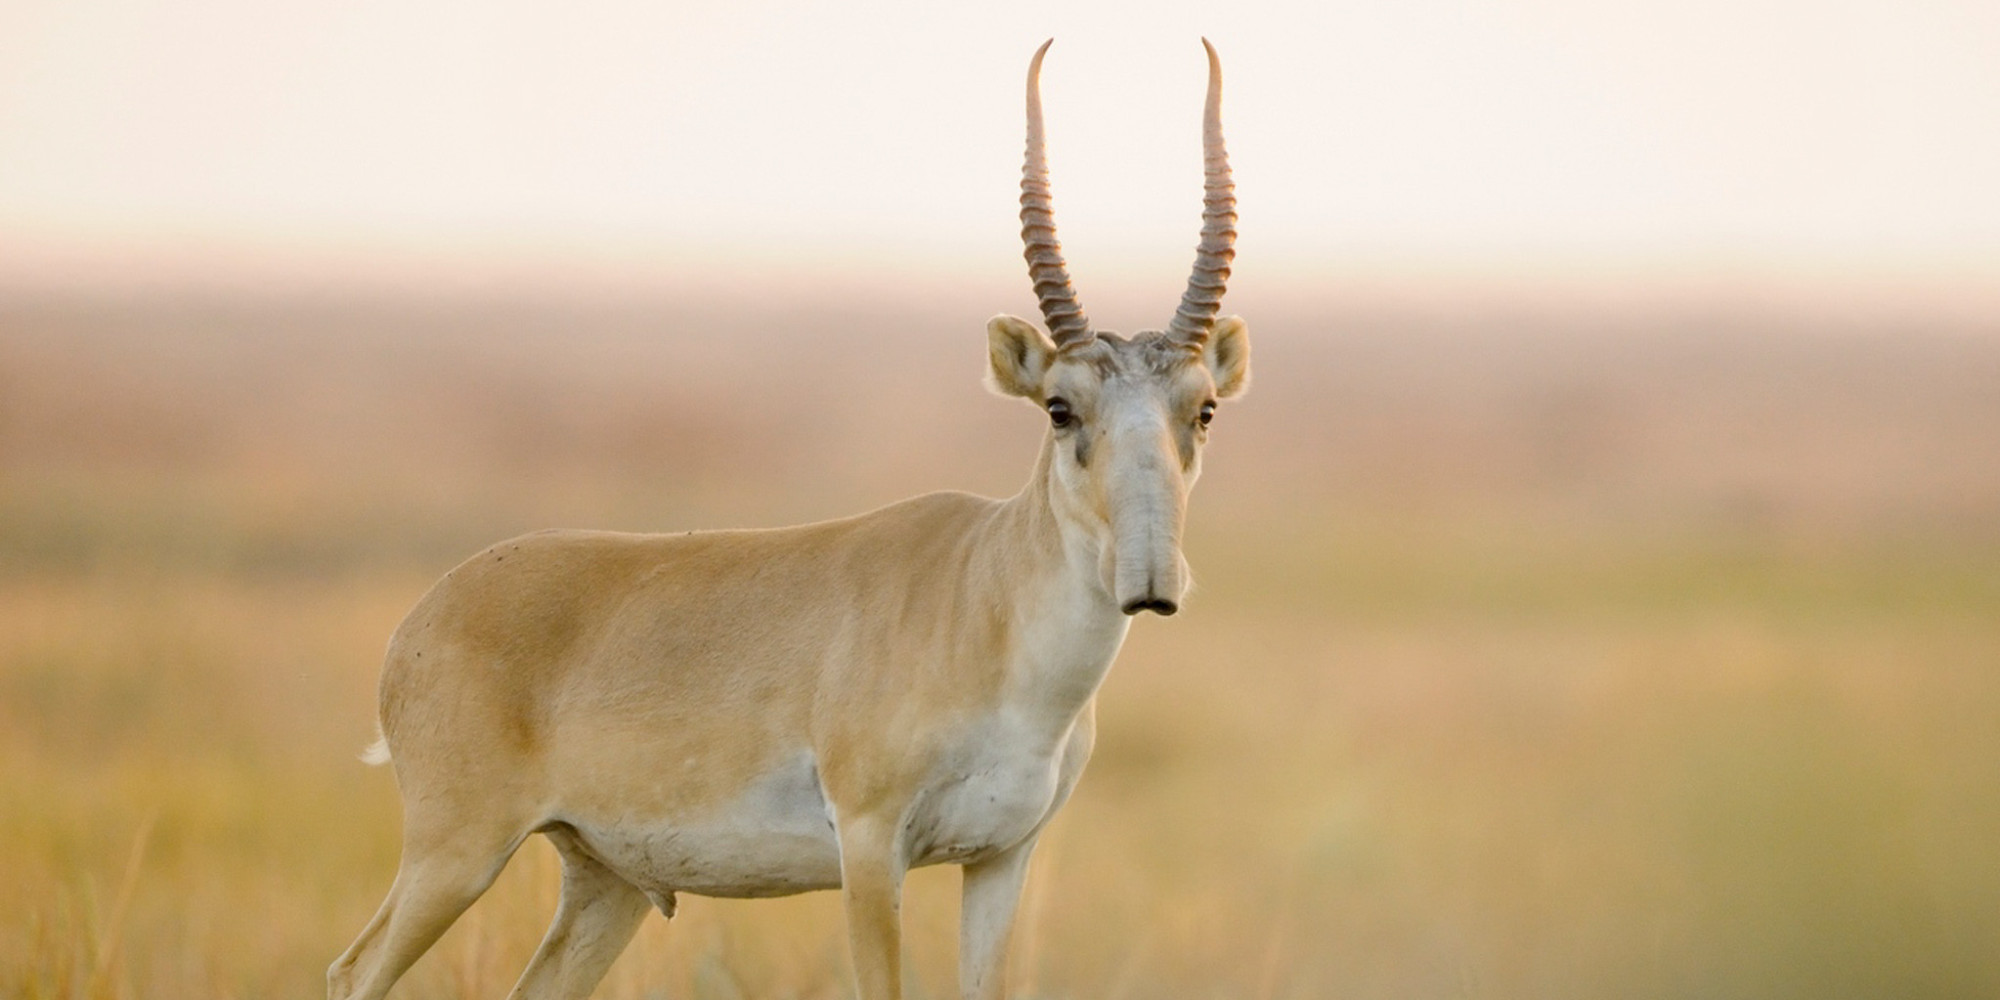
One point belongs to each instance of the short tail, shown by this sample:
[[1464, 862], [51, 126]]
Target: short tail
[[377, 753]]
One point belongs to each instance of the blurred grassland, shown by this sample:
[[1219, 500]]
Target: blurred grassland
[[1639, 653]]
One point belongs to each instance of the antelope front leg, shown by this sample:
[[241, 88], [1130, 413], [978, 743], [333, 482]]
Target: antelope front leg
[[871, 886], [990, 896]]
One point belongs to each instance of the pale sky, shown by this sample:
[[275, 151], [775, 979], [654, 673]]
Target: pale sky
[[1772, 133]]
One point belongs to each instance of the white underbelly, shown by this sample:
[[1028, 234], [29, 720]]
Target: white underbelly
[[718, 861], [989, 792], [776, 839]]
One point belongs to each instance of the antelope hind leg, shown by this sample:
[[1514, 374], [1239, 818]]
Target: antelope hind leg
[[595, 920], [437, 879]]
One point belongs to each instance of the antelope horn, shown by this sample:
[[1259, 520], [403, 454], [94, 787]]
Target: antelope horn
[[1196, 316], [1067, 323]]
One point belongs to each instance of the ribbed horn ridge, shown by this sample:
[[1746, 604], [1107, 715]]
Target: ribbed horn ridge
[[1196, 316], [1063, 313]]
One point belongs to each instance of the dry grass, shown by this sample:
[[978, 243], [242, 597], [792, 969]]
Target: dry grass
[[1526, 663]]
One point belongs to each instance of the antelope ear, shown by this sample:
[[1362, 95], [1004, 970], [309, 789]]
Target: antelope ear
[[1020, 356], [1227, 355]]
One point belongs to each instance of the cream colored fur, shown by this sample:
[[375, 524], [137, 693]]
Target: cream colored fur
[[754, 713]]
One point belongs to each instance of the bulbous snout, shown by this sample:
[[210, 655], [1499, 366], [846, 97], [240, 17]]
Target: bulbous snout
[[1147, 572], [1157, 605], [1149, 502]]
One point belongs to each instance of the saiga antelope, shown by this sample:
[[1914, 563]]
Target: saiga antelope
[[759, 713]]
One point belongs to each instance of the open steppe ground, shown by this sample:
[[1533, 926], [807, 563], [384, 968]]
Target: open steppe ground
[[1537, 652]]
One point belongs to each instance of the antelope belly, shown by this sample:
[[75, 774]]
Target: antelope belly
[[776, 839]]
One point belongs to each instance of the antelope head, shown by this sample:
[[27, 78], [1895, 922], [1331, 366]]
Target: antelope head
[[1127, 416]]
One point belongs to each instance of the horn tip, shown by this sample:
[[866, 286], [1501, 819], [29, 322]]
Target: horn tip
[[1035, 65]]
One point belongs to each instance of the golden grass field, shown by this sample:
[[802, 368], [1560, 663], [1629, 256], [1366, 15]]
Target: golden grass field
[[1622, 653]]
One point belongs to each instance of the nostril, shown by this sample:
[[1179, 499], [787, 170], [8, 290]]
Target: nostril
[[1157, 605]]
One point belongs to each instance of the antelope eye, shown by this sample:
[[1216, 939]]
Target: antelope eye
[[1059, 414], [1207, 412]]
